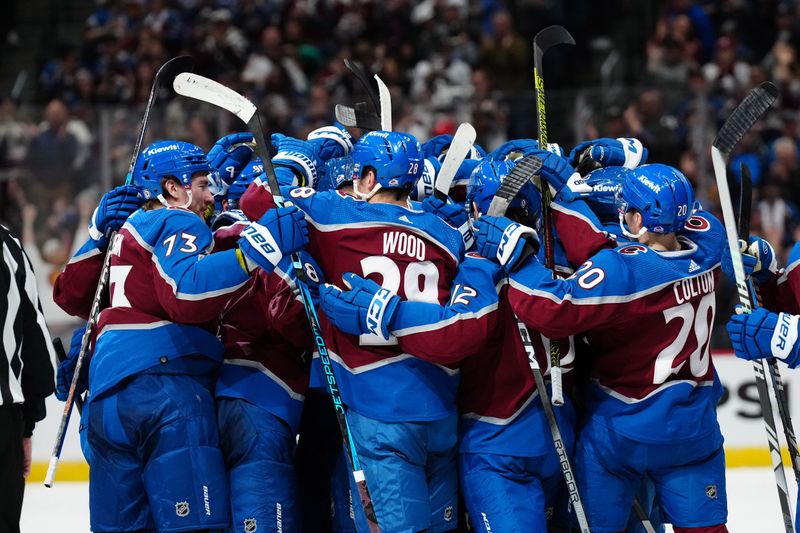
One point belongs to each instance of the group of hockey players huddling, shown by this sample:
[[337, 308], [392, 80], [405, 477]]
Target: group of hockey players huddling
[[203, 371]]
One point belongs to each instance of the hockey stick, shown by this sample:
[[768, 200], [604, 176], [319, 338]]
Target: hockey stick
[[740, 121], [523, 172], [164, 78], [357, 117], [542, 42], [363, 79], [212, 92], [360, 116], [386, 104], [456, 153], [745, 207]]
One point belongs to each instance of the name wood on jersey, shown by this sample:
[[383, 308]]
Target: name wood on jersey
[[404, 244], [690, 288]]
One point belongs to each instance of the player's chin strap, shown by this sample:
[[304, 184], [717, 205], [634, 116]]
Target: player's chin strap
[[184, 206], [365, 196], [625, 230]]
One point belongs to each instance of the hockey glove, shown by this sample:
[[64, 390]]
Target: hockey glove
[[464, 172], [114, 209], [426, 182], [66, 369], [230, 155], [452, 213], [366, 309], [504, 241], [297, 155], [435, 146], [565, 183], [330, 142], [521, 146], [607, 152], [763, 334], [766, 262], [750, 258], [281, 231]]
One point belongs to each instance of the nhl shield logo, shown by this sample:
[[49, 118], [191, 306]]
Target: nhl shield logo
[[448, 513], [250, 525], [182, 508], [711, 491]]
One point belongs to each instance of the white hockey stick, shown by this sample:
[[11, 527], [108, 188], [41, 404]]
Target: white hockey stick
[[386, 104], [740, 121], [456, 153]]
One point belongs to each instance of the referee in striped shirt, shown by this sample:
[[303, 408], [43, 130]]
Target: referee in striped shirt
[[27, 368]]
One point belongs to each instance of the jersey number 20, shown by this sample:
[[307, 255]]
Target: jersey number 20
[[695, 322]]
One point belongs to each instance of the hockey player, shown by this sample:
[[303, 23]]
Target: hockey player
[[155, 460], [505, 448], [261, 388], [647, 310], [401, 409]]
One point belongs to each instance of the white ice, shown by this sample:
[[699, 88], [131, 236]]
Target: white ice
[[752, 504]]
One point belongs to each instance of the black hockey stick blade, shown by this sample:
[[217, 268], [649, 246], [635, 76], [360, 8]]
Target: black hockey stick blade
[[164, 78], [745, 116], [745, 202], [357, 118], [550, 37], [364, 80], [172, 68], [525, 169]]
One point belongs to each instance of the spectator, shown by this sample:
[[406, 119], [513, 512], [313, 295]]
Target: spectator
[[54, 156], [505, 55]]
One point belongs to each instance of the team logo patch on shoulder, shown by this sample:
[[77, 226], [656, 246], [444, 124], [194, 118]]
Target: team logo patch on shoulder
[[633, 249], [182, 509], [697, 223]]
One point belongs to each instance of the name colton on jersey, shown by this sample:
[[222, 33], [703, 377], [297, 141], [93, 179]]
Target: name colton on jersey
[[690, 288]]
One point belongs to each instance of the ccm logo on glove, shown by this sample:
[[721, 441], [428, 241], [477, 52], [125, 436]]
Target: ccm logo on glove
[[377, 307]]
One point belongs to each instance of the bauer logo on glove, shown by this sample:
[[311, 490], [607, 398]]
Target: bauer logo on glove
[[784, 336]]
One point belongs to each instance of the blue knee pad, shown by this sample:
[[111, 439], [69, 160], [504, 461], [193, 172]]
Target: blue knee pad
[[258, 449]]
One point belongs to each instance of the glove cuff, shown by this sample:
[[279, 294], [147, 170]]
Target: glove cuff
[[94, 232], [784, 337], [335, 134], [299, 162], [381, 311]]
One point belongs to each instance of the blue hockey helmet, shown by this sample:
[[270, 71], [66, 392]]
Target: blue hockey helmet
[[396, 157], [335, 173], [661, 194], [606, 183], [248, 175], [168, 159], [484, 182]]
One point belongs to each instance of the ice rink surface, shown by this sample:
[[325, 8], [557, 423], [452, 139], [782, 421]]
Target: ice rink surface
[[752, 504]]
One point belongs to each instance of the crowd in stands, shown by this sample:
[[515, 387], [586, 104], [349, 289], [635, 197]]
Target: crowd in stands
[[668, 72]]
